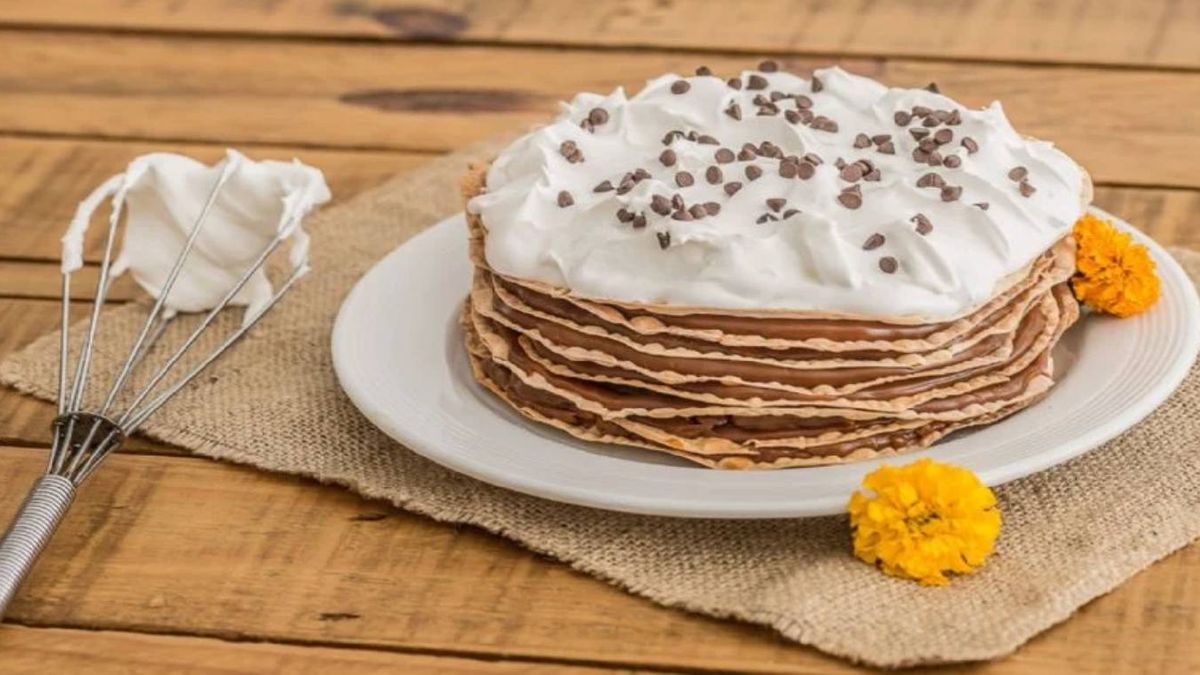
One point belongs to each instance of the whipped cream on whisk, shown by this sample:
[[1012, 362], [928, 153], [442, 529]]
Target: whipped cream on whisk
[[772, 191], [162, 195]]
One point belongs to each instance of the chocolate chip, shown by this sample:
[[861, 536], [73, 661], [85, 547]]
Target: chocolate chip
[[732, 187], [746, 155], [930, 180], [626, 184], [639, 221], [684, 179], [813, 158], [851, 173], [769, 149], [951, 193], [776, 204], [823, 123], [587, 126], [873, 175], [920, 111], [981, 205], [697, 211], [712, 208], [680, 87], [886, 148], [803, 102], [598, 116], [935, 159], [1026, 189], [941, 116], [640, 174], [970, 144], [713, 175], [605, 186], [571, 152], [624, 215], [930, 121], [766, 217], [920, 156], [704, 71], [664, 240], [932, 86], [755, 82], [874, 241], [671, 136], [955, 119], [768, 66], [792, 116], [817, 85], [918, 133], [677, 201], [777, 96], [682, 214], [879, 139], [753, 172], [667, 158], [805, 171], [789, 169], [660, 205], [924, 226], [1018, 173], [705, 139], [943, 136], [901, 118], [839, 163], [734, 82], [888, 264], [734, 111], [927, 144], [953, 161], [724, 155], [862, 141], [851, 198], [565, 199]]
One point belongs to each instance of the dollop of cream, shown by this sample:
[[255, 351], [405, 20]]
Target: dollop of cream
[[162, 194], [815, 259]]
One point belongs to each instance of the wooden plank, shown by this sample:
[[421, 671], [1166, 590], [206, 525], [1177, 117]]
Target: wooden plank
[[1126, 126], [180, 545], [50, 650], [41, 180], [1146, 33], [187, 546]]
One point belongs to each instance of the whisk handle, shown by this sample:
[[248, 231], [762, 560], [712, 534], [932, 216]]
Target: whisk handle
[[32, 528]]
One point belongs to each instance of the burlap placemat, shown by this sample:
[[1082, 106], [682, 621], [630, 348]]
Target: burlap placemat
[[1070, 534]]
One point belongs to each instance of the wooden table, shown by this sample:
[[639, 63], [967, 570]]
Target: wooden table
[[175, 562]]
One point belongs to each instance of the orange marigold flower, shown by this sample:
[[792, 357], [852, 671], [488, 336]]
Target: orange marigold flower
[[1112, 273], [924, 520]]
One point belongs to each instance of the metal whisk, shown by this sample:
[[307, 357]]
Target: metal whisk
[[83, 438]]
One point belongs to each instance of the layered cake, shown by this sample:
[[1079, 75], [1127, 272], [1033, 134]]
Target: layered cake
[[769, 271]]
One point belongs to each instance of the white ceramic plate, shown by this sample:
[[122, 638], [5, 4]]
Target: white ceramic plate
[[398, 353]]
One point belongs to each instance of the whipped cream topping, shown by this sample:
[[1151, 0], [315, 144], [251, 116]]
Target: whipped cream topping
[[865, 200], [162, 194]]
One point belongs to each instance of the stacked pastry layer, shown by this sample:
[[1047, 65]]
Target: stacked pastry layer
[[737, 390]]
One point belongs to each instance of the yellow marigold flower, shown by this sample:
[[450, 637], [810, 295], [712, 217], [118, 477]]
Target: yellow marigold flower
[[1112, 273], [924, 520]]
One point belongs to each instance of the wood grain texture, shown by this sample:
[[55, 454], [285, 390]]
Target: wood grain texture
[[181, 545], [49, 650], [42, 179], [1129, 127], [1145, 33]]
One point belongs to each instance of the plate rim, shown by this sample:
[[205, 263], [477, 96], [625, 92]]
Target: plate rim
[[1169, 270]]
